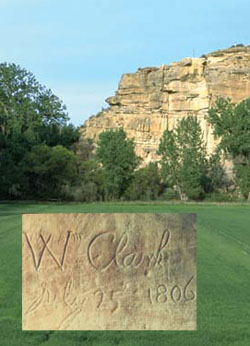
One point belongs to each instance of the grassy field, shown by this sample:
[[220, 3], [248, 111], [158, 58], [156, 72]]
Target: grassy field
[[223, 278]]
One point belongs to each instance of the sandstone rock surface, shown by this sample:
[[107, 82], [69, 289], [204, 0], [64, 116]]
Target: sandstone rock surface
[[109, 272], [153, 99]]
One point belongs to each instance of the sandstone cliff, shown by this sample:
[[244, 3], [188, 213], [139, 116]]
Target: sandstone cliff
[[154, 98]]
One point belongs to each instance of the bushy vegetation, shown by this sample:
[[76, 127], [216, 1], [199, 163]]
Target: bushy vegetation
[[35, 140], [146, 184], [231, 123], [42, 156], [183, 159], [116, 153]]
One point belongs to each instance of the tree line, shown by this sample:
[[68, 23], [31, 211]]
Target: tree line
[[42, 156]]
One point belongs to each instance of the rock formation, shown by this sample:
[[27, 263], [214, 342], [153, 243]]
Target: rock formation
[[155, 98]]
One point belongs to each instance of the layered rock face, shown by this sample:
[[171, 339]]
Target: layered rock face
[[155, 98]]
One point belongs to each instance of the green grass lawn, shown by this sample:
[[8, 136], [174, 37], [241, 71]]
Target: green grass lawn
[[223, 278]]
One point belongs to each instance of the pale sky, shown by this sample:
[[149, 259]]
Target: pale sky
[[80, 48]]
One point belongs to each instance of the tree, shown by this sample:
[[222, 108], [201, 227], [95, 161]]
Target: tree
[[231, 123], [55, 134], [30, 115], [26, 106], [117, 155], [91, 181], [146, 184], [48, 169], [217, 180], [183, 158]]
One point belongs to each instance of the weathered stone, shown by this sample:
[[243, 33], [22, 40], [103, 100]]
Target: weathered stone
[[161, 96], [109, 272]]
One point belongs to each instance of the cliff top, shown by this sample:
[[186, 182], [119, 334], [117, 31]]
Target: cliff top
[[235, 49], [238, 48]]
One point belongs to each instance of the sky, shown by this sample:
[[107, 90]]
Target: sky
[[80, 48]]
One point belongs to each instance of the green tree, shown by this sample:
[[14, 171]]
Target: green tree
[[183, 159], [48, 169], [57, 134], [26, 106], [89, 186], [231, 123], [91, 181], [30, 115], [117, 155], [146, 184], [217, 178]]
